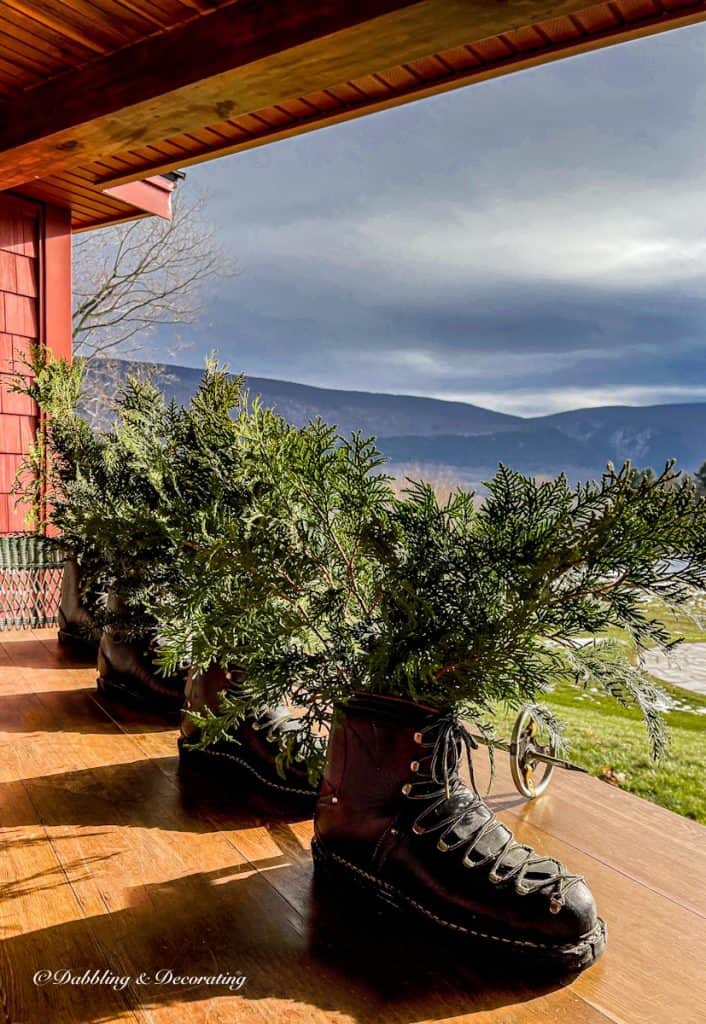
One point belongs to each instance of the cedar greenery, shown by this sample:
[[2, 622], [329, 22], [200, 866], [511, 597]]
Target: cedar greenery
[[128, 499], [65, 455], [56, 387], [336, 585], [167, 476], [284, 589], [284, 552]]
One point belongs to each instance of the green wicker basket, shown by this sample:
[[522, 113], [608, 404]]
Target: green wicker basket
[[31, 568]]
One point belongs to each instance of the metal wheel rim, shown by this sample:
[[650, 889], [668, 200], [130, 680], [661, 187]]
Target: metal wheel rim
[[533, 786]]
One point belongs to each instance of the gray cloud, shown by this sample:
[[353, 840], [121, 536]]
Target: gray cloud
[[526, 243]]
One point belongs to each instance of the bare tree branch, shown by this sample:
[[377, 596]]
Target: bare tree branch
[[133, 278], [130, 279]]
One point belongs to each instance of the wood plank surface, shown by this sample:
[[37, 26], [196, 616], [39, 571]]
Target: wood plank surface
[[111, 863]]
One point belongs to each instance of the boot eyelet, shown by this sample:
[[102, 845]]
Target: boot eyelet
[[256, 727], [442, 846], [334, 799], [418, 738], [394, 831], [414, 767], [407, 789], [495, 879], [418, 830], [555, 904]]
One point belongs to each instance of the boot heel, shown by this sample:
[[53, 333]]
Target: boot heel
[[67, 639], [350, 885], [327, 869], [323, 869], [122, 688], [108, 681], [64, 636], [195, 778], [328, 875], [194, 766], [77, 641]]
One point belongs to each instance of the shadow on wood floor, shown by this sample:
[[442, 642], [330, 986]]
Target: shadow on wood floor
[[113, 864]]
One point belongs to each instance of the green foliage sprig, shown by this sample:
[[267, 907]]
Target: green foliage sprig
[[64, 446], [286, 584], [240, 540], [351, 588], [496, 603], [166, 477], [129, 499]]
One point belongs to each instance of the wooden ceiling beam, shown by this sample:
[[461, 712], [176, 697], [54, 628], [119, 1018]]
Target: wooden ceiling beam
[[413, 91], [244, 56]]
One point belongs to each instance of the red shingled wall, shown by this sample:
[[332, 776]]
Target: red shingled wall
[[35, 305]]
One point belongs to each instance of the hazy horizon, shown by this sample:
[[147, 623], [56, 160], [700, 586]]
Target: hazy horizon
[[409, 394]]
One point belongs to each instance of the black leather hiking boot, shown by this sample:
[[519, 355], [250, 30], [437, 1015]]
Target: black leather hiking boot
[[76, 625], [126, 672], [126, 675], [395, 818], [250, 755]]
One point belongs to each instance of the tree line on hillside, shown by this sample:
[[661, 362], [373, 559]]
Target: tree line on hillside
[[649, 475]]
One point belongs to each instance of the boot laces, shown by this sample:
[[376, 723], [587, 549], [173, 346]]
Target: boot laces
[[273, 720], [448, 739], [276, 721]]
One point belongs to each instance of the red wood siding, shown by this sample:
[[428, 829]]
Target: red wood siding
[[20, 228], [35, 306]]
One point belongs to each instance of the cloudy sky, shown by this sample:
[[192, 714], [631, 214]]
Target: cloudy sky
[[531, 244]]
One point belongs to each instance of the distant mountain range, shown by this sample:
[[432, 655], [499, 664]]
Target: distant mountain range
[[468, 440]]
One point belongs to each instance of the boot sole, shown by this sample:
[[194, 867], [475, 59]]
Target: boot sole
[[119, 691], [573, 957], [76, 641], [217, 765]]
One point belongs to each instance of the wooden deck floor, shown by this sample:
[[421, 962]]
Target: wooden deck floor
[[108, 865]]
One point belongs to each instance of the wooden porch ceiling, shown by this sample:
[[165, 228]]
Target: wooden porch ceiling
[[96, 95]]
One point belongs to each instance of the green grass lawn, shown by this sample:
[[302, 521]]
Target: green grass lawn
[[612, 741], [690, 627]]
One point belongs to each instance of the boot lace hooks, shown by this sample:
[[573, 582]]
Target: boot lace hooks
[[448, 739]]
